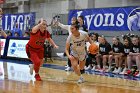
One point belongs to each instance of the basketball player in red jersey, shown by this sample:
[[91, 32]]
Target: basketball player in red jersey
[[34, 47]]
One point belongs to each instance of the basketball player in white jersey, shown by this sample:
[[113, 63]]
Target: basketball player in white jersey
[[78, 39]]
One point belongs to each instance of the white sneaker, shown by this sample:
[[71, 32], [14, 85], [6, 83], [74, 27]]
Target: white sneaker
[[108, 70], [94, 68], [81, 80], [123, 72], [31, 66], [68, 69], [60, 55], [66, 66], [138, 75], [119, 70], [115, 70], [87, 68]]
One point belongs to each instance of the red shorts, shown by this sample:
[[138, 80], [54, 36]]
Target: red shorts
[[34, 52]]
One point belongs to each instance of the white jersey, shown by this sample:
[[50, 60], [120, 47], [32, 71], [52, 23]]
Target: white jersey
[[78, 44], [66, 27]]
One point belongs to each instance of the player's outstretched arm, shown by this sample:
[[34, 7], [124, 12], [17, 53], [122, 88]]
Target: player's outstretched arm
[[53, 43], [66, 27]]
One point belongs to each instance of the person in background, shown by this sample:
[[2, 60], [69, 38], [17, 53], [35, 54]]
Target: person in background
[[134, 56], [92, 51], [16, 34], [26, 34], [2, 33], [9, 33], [81, 24], [127, 48], [116, 54], [103, 54], [17, 30]]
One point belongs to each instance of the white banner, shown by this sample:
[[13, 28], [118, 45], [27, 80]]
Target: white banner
[[17, 48]]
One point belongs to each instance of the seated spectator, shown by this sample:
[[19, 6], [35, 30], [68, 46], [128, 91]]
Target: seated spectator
[[117, 54], [16, 34], [26, 34], [17, 30], [127, 48], [103, 55], [92, 50], [9, 33], [134, 55]]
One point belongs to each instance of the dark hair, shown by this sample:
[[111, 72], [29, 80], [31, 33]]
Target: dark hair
[[40, 21], [127, 38], [117, 37], [82, 17], [9, 32], [76, 20], [75, 25]]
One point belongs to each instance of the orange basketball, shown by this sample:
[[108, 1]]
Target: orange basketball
[[93, 48]]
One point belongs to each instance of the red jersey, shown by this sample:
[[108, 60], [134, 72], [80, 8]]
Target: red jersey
[[37, 39]]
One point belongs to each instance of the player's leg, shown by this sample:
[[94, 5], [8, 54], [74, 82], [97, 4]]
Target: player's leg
[[75, 66]]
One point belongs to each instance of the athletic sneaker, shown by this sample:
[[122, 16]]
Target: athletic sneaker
[[37, 77], [119, 70], [68, 69], [61, 55], [124, 71], [108, 70], [94, 68], [31, 66], [136, 74], [87, 68], [66, 66], [81, 80], [115, 70]]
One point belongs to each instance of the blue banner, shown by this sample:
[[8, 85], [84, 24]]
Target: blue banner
[[110, 19], [25, 21]]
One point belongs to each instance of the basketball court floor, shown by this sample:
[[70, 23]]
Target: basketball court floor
[[15, 78]]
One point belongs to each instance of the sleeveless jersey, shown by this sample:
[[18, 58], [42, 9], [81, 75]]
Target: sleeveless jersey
[[78, 43], [37, 39]]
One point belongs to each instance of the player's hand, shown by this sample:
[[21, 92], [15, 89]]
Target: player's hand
[[71, 57], [56, 23], [130, 53], [56, 46]]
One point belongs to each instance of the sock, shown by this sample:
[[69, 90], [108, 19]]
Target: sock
[[82, 71]]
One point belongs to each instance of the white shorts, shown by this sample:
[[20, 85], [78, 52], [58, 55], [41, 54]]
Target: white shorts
[[80, 55]]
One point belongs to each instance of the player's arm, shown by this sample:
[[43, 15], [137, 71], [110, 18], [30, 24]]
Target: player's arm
[[66, 27], [67, 47], [89, 39], [52, 42], [37, 27]]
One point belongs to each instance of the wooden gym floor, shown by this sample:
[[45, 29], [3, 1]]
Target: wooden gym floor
[[15, 78]]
